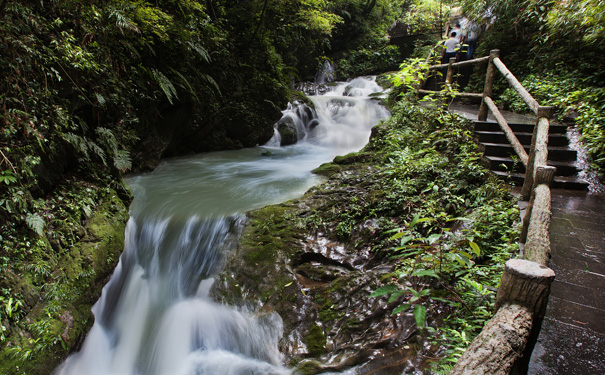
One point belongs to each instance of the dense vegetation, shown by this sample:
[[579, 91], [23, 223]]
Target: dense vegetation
[[395, 243], [556, 48], [91, 90]]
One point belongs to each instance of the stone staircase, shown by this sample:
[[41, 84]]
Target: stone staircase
[[503, 162]]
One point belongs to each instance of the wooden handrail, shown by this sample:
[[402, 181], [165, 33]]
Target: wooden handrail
[[510, 135], [505, 344], [478, 60], [523, 93]]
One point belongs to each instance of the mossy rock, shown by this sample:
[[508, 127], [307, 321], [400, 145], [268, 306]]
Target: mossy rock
[[315, 340], [327, 169], [58, 325]]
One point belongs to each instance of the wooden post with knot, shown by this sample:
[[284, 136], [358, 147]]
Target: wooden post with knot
[[505, 343], [489, 83]]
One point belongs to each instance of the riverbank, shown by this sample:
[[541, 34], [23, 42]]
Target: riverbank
[[398, 252]]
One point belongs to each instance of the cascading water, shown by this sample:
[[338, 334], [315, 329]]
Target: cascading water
[[156, 316]]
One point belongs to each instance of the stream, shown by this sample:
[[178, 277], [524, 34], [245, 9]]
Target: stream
[[155, 315]]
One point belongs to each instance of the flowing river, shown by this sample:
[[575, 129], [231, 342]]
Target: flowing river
[[156, 316]]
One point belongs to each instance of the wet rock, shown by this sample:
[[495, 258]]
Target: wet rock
[[287, 130]]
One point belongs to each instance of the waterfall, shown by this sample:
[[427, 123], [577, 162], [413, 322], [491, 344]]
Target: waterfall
[[341, 118], [326, 73], [155, 315]]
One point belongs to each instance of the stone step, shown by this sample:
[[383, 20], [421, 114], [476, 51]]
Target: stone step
[[558, 140], [506, 150], [518, 127], [560, 182], [506, 164]]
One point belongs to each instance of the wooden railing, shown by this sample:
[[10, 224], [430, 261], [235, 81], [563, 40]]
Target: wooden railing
[[505, 344]]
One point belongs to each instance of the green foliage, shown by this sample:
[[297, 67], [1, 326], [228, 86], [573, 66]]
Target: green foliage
[[573, 98], [457, 225], [7, 177], [581, 20], [36, 223], [369, 61]]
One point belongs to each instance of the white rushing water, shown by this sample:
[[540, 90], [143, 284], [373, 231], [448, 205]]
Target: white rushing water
[[156, 316]]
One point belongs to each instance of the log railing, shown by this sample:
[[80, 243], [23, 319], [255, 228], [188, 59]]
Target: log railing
[[505, 344]]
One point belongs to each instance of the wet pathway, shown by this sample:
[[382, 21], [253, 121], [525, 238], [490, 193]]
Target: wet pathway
[[572, 339]]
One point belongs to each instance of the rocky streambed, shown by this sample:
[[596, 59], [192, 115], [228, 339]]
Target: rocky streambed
[[315, 261]]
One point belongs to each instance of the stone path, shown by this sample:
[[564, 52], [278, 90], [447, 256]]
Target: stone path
[[572, 339]]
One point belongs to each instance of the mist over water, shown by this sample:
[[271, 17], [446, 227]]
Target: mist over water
[[155, 316]]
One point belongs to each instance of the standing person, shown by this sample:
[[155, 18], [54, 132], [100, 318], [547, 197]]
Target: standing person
[[458, 32], [474, 30], [450, 48]]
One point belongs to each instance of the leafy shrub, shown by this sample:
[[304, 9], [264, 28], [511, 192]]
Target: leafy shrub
[[573, 99]]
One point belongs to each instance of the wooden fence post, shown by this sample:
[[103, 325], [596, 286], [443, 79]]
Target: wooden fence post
[[489, 83], [450, 71], [503, 345], [449, 78], [538, 151]]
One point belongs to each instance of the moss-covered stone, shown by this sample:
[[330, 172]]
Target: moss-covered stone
[[327, 169], [315, 340], [61, 317]]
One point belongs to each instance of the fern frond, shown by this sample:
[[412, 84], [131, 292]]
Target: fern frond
[[100, 99], [200, 51], [122, 161], [107, 138], [78, 143], [212, 83], [184, 84], [122, 21], [36, 223], [98, 151], [165, 84]]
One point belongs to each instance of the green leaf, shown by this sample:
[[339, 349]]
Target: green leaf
[[475, 248], [7, 177], [384, 290], [401, 308], [421, 273], [433, 238], [122, 161], [420, 315], [165, 84], [396, 294]]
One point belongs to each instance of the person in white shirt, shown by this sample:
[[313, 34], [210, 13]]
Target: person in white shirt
[[450, 48]]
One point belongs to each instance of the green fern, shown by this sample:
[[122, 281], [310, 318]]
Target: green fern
[[122, 160], [107, 138], [78, 143], [98, 151], [165, 84], [36, 223], [122, 21], [200, 51]]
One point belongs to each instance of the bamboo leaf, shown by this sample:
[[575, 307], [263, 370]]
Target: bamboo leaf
[[475, 248], [421, 273], [396, 295]]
